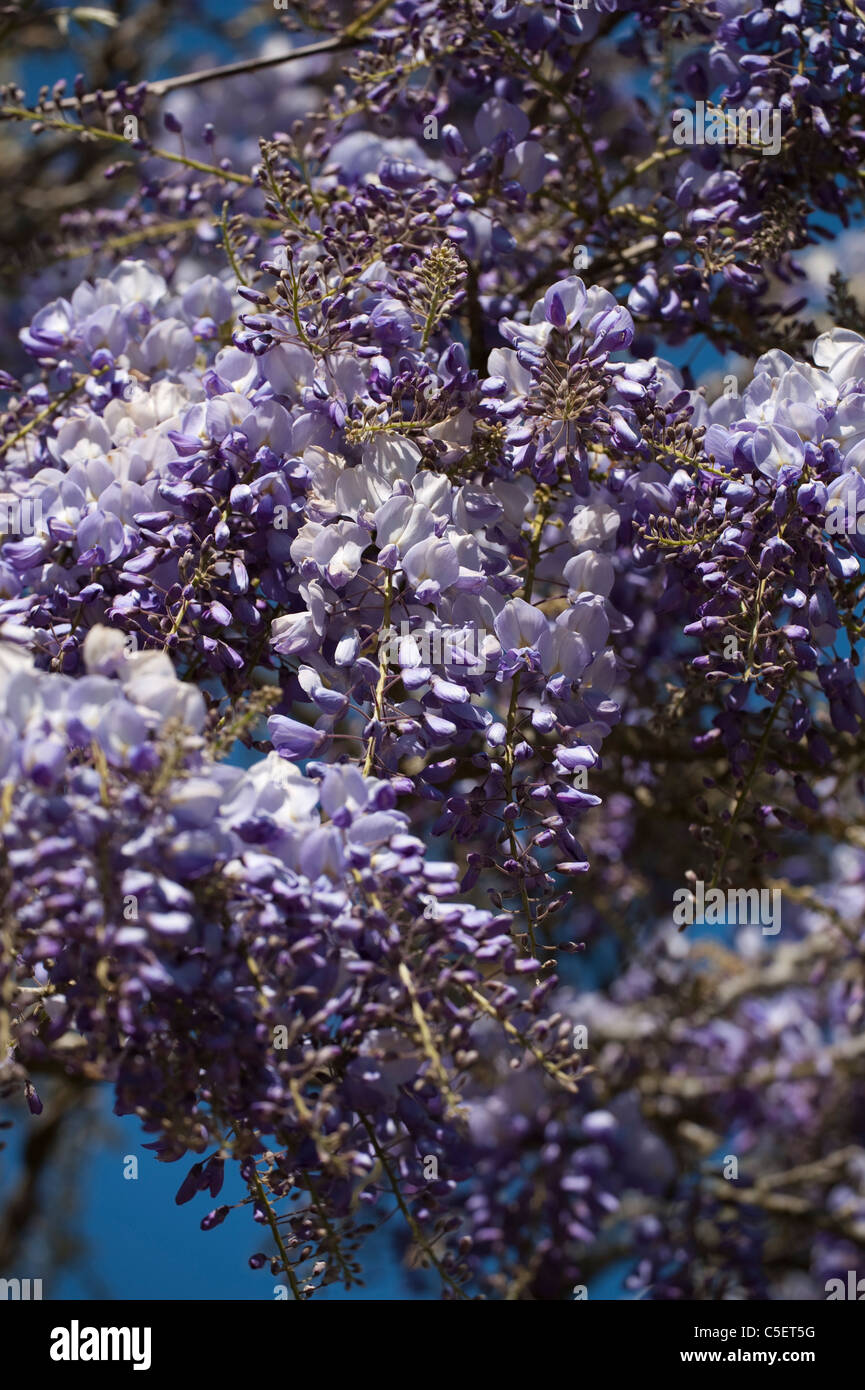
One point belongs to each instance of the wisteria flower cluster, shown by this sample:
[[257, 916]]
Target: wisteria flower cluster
[[391, 621]]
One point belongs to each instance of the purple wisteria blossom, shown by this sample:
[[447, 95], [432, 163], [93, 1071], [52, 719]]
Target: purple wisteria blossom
[[431, 555]]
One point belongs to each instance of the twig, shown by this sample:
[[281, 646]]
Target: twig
[[349, 36]]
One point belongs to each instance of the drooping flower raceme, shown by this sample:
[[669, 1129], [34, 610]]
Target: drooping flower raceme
[[386, 613]]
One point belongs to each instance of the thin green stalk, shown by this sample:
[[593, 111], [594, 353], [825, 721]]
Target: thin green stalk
[[277, 1236], [37, 118], [43, 415], [378, 697], [417, 1233]]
